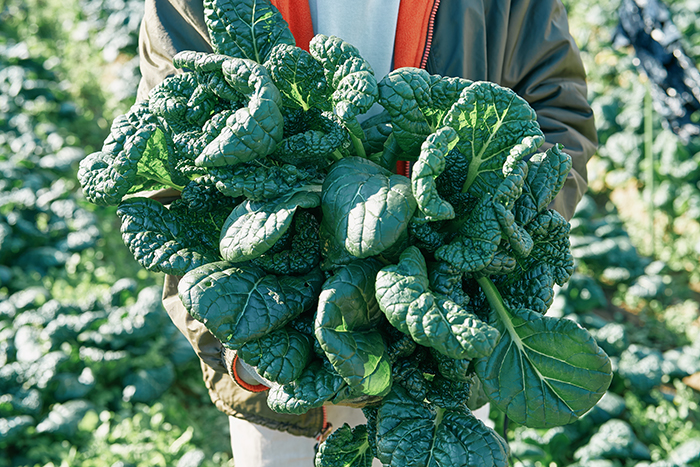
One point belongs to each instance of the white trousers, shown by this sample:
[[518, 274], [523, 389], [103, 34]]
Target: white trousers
[[256, 446]]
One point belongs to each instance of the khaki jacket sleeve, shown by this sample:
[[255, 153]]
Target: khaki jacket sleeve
[[543, 64], [205, 345], [168, 27]]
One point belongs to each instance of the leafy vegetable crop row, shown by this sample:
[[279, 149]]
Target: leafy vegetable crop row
[[642, 314], [658, 197], [83, 355], [635, 287], [338, 280]]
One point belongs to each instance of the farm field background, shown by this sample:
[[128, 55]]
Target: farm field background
[[92, 372]]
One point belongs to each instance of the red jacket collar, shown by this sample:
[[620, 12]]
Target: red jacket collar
[[297, 14], [413, 30]]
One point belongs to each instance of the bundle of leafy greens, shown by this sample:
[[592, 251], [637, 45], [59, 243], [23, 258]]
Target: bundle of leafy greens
[[339, 280]]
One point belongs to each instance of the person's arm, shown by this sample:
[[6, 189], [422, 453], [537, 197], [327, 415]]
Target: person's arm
[[543, 65], [168, 27]]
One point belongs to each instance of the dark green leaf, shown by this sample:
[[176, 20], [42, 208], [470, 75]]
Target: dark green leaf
[[491, 122], [478, 242], [158, 240], [546, 175], [107, 175], [252, 131], [299, 77], [303, 252], [241, 304], [367, 207], [316, 385], [417, 102], [544, 371], [349, 76], [245, 28], [257, 183], [252, 228], [279, 356], [410, 306], [429, 166], [345, 447], [346, 322], [410, 432]]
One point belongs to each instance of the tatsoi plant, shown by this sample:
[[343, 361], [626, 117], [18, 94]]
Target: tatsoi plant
[[339, 280]]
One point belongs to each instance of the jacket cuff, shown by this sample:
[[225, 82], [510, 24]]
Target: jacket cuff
[[240, 374]]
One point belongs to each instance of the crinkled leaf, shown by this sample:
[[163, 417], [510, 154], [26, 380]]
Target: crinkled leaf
[[257, 183], [410, 432], [254, 130], [544, 371], [323, 137], [453, 369], [215, 83], [202, 103], [316, 385], [188, 144], [405, 298], [200, 62], [159, 241], [202, 226], [426, 236], [447, 281], [240, 304], [530, 282], [200, 195], [349, 76], [448, 393], [345, 327], [279, 356], [253, 227], [531, 288], [109, 174], [429, 166], [245, 28], [168, 99], [545, 178], [550, 234], [366, 206], [491, 121], [303, 253], [417, 102], [181, 102], [299, 77], [476, 245], [345, 447], [507, 192]]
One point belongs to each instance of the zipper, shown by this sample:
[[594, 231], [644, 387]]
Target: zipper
[[429, 38], [405, 167]]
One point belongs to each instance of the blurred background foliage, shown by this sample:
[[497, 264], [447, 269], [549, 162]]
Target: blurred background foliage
[[92, 372]]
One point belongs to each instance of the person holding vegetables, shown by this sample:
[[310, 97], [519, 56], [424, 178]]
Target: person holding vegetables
[[524, 45]]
